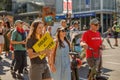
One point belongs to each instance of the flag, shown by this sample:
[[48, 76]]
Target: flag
[[87, 3]]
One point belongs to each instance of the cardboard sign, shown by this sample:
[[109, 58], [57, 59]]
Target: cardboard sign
[[48, 15], [46, 42]]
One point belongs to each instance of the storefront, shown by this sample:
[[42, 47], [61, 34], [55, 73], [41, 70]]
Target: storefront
[[105, 18]]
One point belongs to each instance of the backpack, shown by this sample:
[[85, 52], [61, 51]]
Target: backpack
[[9, 37]]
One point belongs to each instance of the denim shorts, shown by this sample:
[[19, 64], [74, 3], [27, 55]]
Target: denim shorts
[[39, 72]]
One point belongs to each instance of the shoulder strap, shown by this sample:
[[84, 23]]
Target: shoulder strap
[[16, 36]]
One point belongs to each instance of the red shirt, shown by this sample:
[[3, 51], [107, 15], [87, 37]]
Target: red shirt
[[93, 40]]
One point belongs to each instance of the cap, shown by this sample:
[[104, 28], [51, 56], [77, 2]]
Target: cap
[[75, 22], [62, 21], [18, 21], [94, 21]]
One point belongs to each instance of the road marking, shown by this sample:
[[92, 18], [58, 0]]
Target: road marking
[[110, 55], [113, 63], [82, 78], [107, 55]]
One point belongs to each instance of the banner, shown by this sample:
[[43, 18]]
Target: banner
[[46, 42], [87, 3], [67, 6]]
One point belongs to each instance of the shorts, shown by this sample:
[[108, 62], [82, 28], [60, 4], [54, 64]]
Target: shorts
[[39, 72], [115, 35], [94, 62], [1, 39]]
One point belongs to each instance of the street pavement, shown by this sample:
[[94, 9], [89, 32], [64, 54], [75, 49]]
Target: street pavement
[[111, 63]]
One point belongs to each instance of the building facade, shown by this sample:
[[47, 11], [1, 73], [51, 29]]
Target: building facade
[[84, 10], [118, 10], [28, 10]]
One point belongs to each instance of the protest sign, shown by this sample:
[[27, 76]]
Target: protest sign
[[48, 15], [46, 42]]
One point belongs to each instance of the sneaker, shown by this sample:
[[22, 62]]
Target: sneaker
[[116, 45], [11, 68], [19, 76], [0, 58], [14, 75]]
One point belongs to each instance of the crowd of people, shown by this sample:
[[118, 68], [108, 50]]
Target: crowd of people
[[20, 38]]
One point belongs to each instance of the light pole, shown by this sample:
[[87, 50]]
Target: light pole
[[67, 7], [115, 17], [68, 14]]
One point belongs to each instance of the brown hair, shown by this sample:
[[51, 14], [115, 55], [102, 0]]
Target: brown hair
[[33, 28], [61, 44]]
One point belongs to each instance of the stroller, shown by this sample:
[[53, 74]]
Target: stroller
[[76, 60]]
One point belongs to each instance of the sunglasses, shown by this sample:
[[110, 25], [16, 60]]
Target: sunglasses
[[96, 24], [63, 30], [21, 22]]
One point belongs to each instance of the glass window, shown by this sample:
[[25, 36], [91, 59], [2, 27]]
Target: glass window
[[83, 8], [95, 4], [92, 4], [59, 6], [108, 4], [75, 5]]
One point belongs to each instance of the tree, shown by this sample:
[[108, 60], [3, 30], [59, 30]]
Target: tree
[[6, 5]]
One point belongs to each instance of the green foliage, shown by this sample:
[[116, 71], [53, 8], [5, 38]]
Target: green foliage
[[6, 5]]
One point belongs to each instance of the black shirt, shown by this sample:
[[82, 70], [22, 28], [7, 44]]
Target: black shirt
[[35, 60], [1, 31]]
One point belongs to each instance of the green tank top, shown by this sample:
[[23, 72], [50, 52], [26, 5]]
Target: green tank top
[[117, 28]]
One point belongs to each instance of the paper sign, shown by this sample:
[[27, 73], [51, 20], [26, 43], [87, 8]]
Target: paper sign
[[46, 42]]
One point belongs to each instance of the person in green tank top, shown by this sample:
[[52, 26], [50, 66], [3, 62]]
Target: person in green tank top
[[116, 30]]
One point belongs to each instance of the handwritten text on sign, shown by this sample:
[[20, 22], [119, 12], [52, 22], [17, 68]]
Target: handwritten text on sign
[[46, 42]]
